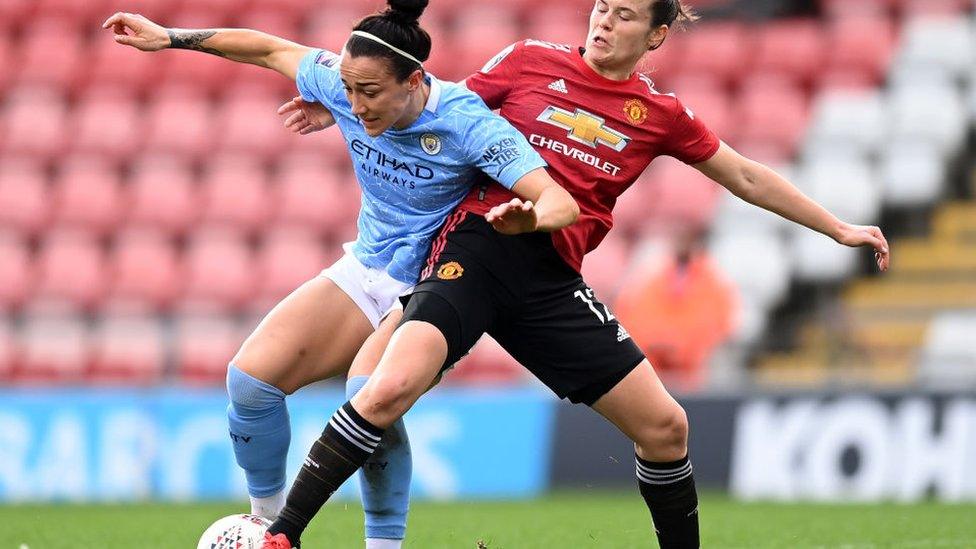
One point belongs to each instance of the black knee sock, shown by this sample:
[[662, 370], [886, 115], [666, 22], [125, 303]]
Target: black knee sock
[[669, 491], [345, 445]]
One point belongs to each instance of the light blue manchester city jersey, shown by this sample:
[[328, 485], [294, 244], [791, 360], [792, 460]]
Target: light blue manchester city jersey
[[413, 178]]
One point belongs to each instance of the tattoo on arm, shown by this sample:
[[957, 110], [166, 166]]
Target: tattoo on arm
[[192, 40]]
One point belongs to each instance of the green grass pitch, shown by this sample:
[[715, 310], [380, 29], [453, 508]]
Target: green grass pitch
[[567, 520]]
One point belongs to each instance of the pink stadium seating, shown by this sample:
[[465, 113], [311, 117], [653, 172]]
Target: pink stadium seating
[[35, 122], [249, 125], [7, 63], [845, 8], [794, 48], [16, 272], [24, 197], [90, 12], [157, 10], [87, 195], [8, 352], [911, 8], [205, 344], [107, 121], [51, 53], [144, 268], [325, 202], [630, 213], [286, 259], [235, 193], [14, 12], [559, 23], [720, 49], [219, 270], [773, 111], [329, 29], [861, 43], [55, 348], [119, 67], [845, 79], [179, 120], [127, 349], [709, 102], [480, 32], [605, 267], [71, 268], [162, 194], [677, 193], [206, 72]]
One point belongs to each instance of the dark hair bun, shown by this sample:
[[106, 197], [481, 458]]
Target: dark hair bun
[[407, 10]]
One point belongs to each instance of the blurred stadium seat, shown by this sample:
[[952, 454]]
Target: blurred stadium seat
[[35, 121], [795, 48], [285, 259], [218, 270], [51, 53], [204, 345], [55, 348], [162, 194], [144, 268], [16, 272], [179, 120], [234, 193], [127, 349], [71, 268], [25, 201], [87, 195]]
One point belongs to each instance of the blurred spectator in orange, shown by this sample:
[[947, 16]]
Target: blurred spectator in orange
[[679, 311]]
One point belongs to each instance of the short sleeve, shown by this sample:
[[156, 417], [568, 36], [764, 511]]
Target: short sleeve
[[689, 139], [499, 150], [498, 77], [318, 77]]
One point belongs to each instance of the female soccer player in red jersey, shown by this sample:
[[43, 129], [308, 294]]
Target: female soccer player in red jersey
[[598, 124]]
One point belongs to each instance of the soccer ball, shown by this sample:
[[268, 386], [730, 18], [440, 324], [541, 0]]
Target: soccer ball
[[235, 532]]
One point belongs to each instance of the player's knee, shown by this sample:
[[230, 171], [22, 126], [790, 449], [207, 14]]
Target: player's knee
[[666, 436], [246, 392], [387, 398]]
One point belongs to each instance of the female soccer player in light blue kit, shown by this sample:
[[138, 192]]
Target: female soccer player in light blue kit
[[416, 144]]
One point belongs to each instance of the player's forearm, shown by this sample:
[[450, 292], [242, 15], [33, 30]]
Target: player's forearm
[[555, 208], [765, 188], [242, 45]]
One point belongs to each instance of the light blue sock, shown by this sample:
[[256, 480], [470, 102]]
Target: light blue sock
[[385, 479], [260, 431]]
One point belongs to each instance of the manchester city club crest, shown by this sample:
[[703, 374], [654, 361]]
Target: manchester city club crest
[[430, 143]]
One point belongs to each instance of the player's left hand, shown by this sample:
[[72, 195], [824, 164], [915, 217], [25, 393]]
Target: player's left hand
[[513, 217], [306, 117], [865, 235]]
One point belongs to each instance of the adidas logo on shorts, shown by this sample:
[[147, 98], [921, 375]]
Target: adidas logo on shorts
[[622, 333]]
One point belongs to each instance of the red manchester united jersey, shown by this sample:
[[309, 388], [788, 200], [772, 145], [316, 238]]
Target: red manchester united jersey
[[598, 135]]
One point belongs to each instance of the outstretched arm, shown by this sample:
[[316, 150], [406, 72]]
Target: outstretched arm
[[542, 206], [761, 186], [242, 45]]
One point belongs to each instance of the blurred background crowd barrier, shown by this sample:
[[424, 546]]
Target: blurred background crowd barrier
[[152, 209]]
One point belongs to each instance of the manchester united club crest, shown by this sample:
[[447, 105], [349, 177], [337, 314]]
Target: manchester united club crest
[[450, 271], [636, 111], [430, 143]]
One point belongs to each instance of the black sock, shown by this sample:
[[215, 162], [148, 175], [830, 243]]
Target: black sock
[[669, 491], [345, 445]]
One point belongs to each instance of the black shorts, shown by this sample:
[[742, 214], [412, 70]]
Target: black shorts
[[521, 292]]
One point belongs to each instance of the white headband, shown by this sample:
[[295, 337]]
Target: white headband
[[378, 40]]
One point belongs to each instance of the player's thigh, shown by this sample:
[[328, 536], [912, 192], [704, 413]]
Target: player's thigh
[[312, 334], [641, 407], [369, 355], [568, 339]]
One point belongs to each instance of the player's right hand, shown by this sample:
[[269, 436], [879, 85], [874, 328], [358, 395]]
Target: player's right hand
[[306, 117], [137, 31]]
